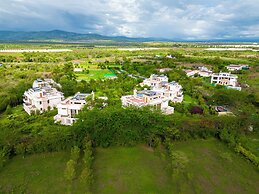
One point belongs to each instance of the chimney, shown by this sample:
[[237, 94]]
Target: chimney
[[135, 92], [92, 95]]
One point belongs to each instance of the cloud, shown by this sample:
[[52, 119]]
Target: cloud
[[186, 19]]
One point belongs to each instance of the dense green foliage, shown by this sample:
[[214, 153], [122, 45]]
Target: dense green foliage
[[22, 135]]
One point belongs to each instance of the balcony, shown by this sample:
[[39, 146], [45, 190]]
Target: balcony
[[168, 110], [29, 108]]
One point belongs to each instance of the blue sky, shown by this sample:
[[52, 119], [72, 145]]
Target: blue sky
[[182, 19]]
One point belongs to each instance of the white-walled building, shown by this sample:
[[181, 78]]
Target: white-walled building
[[225, 79], [160, 84], [42, 96], [171, 90], [202, 71], [70, 107], [154, 80], [163, 70], [148, 98], [191, 73], [234, 67], [78, 69]]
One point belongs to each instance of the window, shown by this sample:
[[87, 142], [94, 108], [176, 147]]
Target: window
[[40, 102], [48, 101]]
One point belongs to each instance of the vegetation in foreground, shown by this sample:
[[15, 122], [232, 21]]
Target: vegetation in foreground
[[191, 164], [138, 169]]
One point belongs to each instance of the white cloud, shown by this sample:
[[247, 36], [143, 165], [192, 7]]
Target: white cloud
[[186, 19]]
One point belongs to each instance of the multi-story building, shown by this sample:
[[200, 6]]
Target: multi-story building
[[172, 90], [154, 80], [234, 67], [201, 71], [191, 73], [148, 98], [160, 84], [70, 107], [42, 96], [204, 71], [225, 79]]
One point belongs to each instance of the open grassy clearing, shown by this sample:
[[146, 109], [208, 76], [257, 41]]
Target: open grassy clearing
[[130, 170], [252, 144], [212, 168], [94, 74], [39, 173], [188, 100]]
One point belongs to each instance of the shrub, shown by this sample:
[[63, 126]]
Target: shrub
[[178, 161], [70, 170], [75, 153]]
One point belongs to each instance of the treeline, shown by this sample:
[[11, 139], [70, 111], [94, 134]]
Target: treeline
[[79, 167], [110, 126], [13, 96], [234, 140], [119, 126], [22, 134]]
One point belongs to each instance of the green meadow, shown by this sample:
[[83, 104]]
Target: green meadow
[[212, 168]]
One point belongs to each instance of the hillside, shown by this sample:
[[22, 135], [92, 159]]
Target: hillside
[[58, 35]]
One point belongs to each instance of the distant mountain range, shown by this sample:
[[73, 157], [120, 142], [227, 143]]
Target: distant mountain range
[[63, 36], [58, 35]]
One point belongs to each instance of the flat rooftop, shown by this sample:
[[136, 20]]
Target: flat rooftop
[[146, 93], [80, 96]]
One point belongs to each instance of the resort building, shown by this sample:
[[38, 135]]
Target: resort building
[[225, 79], [70, 107], [42, 96], [204, 72], [78, 69], [234, 67], [223, 111], [191, 73], [154, 80], [171, 90], [163, 70], [148, 98], [201, 71]]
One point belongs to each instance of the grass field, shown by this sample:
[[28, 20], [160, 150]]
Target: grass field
[[189, 100], [130, 170], [252, 144], [39, 173], [93, 74], [212, 168]]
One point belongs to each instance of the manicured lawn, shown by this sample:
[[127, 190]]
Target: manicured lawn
[[93, 74], [252, 144], [130, 170], [212, 168], [188, 100], [39, 173]]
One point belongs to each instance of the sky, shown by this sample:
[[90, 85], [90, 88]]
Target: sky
[[182, 19]]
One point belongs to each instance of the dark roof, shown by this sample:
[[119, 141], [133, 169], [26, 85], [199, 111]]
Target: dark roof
[[147, 93], [36, 89], [80, 96], [221, 109]]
